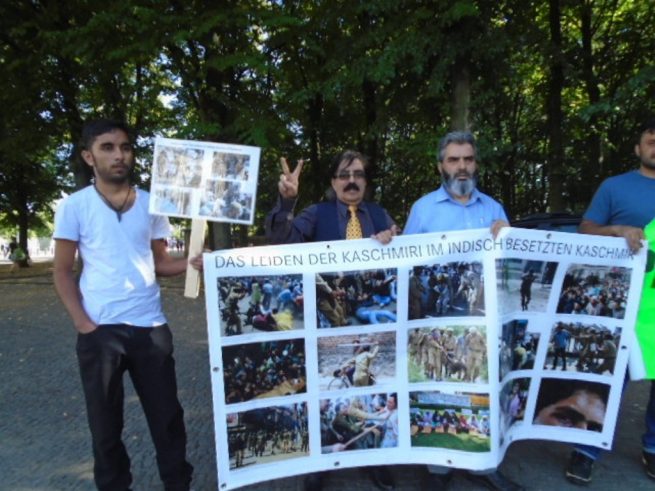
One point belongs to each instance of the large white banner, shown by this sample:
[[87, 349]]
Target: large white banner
[[437, 349]]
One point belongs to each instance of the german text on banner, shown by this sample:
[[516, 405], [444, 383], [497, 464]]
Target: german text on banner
[[436, 349]]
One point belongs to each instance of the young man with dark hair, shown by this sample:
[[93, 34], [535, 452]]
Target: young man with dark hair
[[116, 308], [622, 206]]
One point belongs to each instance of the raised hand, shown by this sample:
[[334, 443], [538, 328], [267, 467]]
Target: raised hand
[[288, 184]]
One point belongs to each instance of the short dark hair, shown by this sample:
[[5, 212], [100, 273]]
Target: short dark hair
[[92, 129], [459, 137], [647, 126], [348, 156]]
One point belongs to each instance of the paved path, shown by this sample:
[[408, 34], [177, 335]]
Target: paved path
[[44, 440]]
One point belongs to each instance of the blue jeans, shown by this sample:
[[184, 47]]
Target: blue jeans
[[647, 439]]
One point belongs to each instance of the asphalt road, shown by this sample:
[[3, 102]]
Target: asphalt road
[[44, 440]]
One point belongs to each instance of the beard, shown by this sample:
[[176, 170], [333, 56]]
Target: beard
[[648, 163], [458, 187], [111, 176]]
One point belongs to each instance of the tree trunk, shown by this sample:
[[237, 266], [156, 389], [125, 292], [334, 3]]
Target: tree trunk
[[554, 170], [220, 236], [593, 165], [370, 135], [461, 102]]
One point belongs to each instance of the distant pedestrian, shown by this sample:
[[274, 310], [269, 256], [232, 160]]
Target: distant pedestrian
[[17, 255]]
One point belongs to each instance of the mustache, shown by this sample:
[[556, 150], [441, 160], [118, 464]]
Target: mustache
[[351, 186]]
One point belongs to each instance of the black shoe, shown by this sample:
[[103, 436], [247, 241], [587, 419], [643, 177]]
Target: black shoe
[[382, 477], [314, 482], [579, 469], [495, 480], [649, 462], [438, 481]]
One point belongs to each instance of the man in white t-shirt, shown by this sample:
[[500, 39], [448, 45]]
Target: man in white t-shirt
[[116, 308]]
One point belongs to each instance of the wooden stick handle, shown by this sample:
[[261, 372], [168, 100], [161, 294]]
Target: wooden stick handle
[[195, 247]]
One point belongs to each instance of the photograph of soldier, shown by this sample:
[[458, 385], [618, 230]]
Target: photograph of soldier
[[518, 347], [359, 422], [595, 290], [172, 201], [356, 361], [268, 434], [231, 166], [168, 163], [227, 200], [260, 304], [356, 298], [513, 401], [219, 165], [189, 174], [587, 348], [458, 421], [213, 200], [448, 353], [571, 404], [261, 370], [524, 284], [446, 290]]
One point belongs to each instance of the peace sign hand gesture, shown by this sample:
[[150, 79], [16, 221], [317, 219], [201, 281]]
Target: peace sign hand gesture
[[288, 184]]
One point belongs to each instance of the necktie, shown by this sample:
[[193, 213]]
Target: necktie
[[354, 226]]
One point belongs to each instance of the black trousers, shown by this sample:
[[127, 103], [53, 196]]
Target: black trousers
[[147, 354]]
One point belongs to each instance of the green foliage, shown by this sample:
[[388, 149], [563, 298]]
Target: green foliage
[[309, 79]]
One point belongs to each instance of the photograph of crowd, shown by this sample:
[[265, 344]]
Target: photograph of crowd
[[260, 304], [359, 422], [225, 200], [513, 401], [458, 421], [588, 348], [232, 166], [356, 361], [443, 290], [171, 201], [268, 434], [595, 290], [448, 353], [572, 404], [356, 298], [518, 347], [261, 370], [523, 284], [175, 166]]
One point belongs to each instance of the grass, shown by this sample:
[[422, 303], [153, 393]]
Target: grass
[[463, 441]]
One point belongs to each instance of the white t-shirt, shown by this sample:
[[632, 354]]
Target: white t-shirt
[[118, 282]]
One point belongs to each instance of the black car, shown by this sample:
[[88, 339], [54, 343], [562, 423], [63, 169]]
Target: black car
[[560, 222]]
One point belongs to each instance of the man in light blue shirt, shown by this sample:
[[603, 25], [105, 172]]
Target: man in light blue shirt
[[458, 205]]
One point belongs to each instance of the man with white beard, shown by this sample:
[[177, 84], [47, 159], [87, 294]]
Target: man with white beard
[[458, 205]]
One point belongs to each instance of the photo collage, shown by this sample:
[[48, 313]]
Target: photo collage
[[204, 180], [435, 355], [556, 369], [355, 317], [356, 366]]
